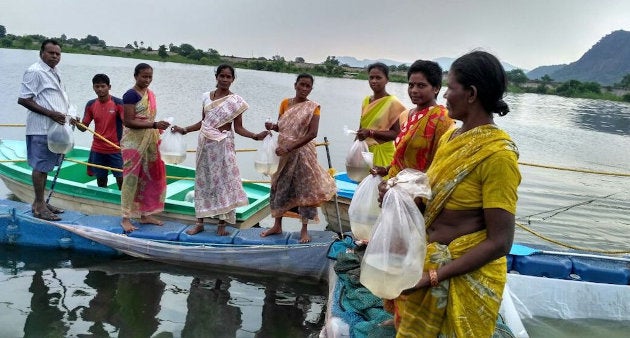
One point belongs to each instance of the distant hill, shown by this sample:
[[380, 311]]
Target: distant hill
[[606, 62], [541, 71], [444, 62]]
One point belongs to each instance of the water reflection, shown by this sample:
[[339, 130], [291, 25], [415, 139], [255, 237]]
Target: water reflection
[[63, 294], [606, 117]]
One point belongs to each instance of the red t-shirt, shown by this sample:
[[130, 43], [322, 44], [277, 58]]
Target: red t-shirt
[[107, 117]]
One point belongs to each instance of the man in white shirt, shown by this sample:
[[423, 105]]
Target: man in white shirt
[[44, 96]]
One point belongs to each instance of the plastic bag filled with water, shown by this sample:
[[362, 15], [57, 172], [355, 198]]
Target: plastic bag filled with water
[[172, 145], [61, 137], [267, 161]]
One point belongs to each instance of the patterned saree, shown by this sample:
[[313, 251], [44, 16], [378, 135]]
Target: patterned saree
[[218, 187], [300, 181], [418, 139], [144, 184]]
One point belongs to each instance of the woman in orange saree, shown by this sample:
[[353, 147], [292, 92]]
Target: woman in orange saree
[[300, 182], [144, 177]]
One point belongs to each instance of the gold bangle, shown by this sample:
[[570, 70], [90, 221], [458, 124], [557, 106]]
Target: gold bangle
[[434, 278]]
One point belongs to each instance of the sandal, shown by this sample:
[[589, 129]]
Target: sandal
[[46, 216]]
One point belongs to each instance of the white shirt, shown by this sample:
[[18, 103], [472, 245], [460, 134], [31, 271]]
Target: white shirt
[[43, 84]]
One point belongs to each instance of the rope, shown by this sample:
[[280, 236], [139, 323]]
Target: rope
[[98, 135], [574, 169], [12, 125], [574, 247]]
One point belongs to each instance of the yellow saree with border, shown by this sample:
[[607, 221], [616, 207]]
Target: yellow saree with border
[[380, 114], [465, 305]]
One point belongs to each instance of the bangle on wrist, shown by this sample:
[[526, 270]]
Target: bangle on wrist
[[185, 130], [371, 133], [154, 125], [433, 277]]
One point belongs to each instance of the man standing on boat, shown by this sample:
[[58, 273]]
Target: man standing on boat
[[107, 113], [44, 96]]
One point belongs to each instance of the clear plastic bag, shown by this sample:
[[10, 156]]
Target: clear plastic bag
[[267, 161], [394, 258], [172, 146], [364, 210], [357, 167], [61, 137]]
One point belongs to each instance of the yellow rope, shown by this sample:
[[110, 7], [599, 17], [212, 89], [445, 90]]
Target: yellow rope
[[93, 165], [98, 135], [12, 125], [5, 161], [574, 169], [574, 247]]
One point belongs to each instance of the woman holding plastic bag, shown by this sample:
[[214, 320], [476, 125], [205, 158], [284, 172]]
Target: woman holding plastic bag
[[300, 184], [470, 218], [421, 126], [218, 187], [379, 116]]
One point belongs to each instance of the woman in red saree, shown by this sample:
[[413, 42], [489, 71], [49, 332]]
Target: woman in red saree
[[144, 177], [300, 182], [421, 126]]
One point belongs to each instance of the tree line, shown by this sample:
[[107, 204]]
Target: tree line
[[331, 67]]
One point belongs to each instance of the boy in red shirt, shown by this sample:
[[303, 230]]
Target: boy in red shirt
[[107, 113]]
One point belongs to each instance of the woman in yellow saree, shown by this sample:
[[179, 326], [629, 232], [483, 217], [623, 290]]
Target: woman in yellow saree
[[421, 126], [379, 116], [470, 218], [144, 177]]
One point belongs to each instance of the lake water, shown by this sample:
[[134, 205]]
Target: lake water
[[65, 295]]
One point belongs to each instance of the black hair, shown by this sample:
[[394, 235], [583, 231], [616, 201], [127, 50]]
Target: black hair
[[222, 67], [431, 70], [379, 65], [484, 71], [47, 41], [305, 76], [140, 67], [100, 78]]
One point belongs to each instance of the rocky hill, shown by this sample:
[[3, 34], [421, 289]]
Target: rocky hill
[[607, 62]]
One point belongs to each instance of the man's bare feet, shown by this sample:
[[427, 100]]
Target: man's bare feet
[[221, 230], [197, 229], [127, 225], [271, 231], [149, 219], [304, 237]]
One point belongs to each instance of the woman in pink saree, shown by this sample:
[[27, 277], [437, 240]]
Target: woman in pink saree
[[144, 177], [300, 182], [218, 187]]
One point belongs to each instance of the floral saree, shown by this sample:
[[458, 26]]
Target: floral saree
[[418, 139], [380, 114], [465, 305], [218, 187], [300, 181], [144, 184]]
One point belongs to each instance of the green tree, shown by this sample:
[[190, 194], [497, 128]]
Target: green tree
[[135, 44], [186, 49], [625, 82], [546, 79], [299, 59], [3, 31], [162, 52], [331, 61], [517, 77]]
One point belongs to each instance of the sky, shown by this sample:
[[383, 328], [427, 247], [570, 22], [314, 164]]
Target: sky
[[524, 33]]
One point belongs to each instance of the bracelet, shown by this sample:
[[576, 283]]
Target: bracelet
[[371, 133], [433, 277], [154, 125], [185, 130]]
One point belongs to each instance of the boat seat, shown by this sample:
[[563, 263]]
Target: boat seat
[[601, 271], [170, 231], [251, 236], [178, 186], [209, 236], [317, 237], [543, 266]]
